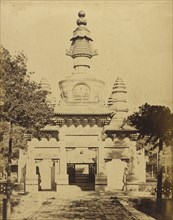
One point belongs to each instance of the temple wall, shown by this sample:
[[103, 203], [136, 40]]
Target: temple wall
[[47, 152], [111, 157]]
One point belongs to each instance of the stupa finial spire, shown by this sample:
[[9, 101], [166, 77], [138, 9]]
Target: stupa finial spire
[[81, 20], [81, 49]]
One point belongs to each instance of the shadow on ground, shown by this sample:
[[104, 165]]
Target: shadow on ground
[[85, 187], [91, 207], [148, 206]]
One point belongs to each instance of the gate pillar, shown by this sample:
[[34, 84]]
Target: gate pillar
[[101, 177], [62, 177]]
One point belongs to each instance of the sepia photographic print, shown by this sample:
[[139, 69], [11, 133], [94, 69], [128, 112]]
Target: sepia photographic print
[[86, 110]]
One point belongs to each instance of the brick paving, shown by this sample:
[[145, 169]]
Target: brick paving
[[81, 205], [80, 209], [73, 203]]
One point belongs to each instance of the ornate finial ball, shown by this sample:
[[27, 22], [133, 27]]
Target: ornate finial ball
[[81, 14], [81, 21]]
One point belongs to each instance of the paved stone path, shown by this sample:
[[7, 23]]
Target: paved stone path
[[73, 203], [93, 209], [81, 205]]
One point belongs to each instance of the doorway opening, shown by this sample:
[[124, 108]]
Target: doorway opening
[[82, 174], [46, 175]]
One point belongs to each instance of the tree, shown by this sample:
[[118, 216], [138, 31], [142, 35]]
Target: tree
[[23, 105], [19, 142], [154, 124]]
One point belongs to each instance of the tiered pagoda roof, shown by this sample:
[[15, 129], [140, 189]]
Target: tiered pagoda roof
[[45, 86], [110, 102], [81, 41], [118, 98], [119, 86]]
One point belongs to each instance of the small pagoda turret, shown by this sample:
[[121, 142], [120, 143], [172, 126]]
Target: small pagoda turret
[[119, 98], [45, 86]]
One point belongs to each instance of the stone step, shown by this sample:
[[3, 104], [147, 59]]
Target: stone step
[[82, 175], [81, 178]]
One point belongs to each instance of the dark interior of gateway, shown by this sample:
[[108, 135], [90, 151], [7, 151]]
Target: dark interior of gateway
[[82, 175]]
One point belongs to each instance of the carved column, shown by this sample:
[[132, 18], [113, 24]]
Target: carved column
[[101, 178], [63, 163], [62, 177], [101, 162], [31, 180], [133, 180]]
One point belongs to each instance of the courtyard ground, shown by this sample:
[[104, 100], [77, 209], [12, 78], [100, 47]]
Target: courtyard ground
[[70, 202]]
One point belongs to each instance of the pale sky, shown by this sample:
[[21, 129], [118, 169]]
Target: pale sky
[[133, 38]]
